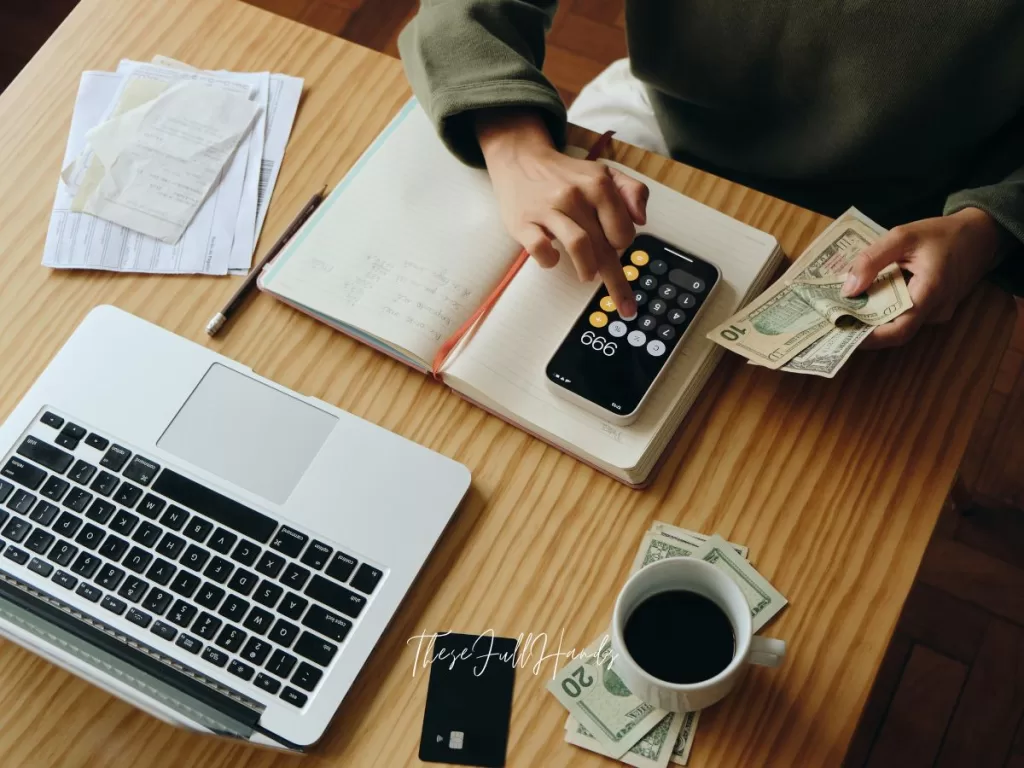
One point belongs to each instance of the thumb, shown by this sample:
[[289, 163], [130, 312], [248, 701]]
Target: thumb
[[891, 248], [634, 194]]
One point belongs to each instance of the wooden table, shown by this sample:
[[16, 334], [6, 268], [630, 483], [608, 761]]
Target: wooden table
[[835, 485]]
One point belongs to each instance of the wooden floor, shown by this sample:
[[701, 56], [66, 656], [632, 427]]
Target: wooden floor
[[951, 690]]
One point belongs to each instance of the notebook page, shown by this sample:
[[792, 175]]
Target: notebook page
[[504, 362], [405, 248]]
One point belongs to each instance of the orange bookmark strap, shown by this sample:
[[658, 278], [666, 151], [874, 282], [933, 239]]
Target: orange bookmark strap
[[453, 341]]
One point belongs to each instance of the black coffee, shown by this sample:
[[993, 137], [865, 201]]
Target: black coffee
[[680, 637]]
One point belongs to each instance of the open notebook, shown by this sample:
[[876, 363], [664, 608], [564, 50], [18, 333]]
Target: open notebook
[[409, 244]]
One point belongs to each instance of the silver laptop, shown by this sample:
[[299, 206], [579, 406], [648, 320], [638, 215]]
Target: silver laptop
[[219, 551]]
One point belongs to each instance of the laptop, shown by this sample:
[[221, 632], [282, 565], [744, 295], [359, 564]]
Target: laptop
[[218, 550]]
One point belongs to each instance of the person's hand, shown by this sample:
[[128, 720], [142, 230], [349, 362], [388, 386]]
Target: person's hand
[[947, 257], [544, 195]]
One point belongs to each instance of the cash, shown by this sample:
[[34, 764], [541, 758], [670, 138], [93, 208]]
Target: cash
[[802, 323], [604, 716]]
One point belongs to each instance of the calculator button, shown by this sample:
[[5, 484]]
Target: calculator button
[[666, 333], [636, 338], [686, 281], [686, 300], [639, 258], [631, 272], [657, 307], [656, 348], [617, 329], [647, 323], [668, 291], [658, 267], [598, 319], [608, 304], [676, 316], [648, 283], [640, 297]]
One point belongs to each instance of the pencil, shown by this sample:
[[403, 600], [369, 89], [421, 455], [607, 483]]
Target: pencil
[[235, 302]]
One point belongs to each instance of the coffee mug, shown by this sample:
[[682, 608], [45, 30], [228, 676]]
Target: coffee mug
[[683, 573]]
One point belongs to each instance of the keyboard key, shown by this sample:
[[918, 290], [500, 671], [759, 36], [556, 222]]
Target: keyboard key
[[243, 581], [23, 473], [46, 455], [4, 514], [86, 564], [258, 621], [289, 541], [231, 638], [293, 697], [5, 490], [16, 529], [221, 509], [206, 626], [188, 642], [317, 555], [215, 657], [326, 623], [210, 596], [341, 567], [100, 511], [284, 633], [105, 483], [174, 518], [55, 488], [292, 606], [270, 564], [41, 567], [151, 506], [185, 583], [73, 430], [137, 560], [67, 524], [295, 576], [182, 613], [157, 601], [90, 536], [315, 649], [222, 541], [161, 572], [245, 553], [234, 608], [241, 670], [135, 616], [114, 605], [124, 522], [109, 576], [133, 589], [148, 534], [166, 631], [40, 541], [195, 557], [267, 683], [97, 442], [82, 472], [66, 441], [64, 579], [44, 513], [115, 458], [77, 499], [307, 676], [128, 495], [218, 570], [63, 552], [268, 594], [141, 470], [198, 529], [337, 597], [170, 546], [21, 502], [114, 548], [256, 651], [281, 663], [51, 419], [88, 591], [19, 556]]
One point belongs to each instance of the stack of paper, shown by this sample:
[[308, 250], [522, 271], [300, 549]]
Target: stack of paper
[[169, 169]]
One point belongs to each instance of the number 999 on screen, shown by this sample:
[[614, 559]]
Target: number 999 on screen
[[598, 343]]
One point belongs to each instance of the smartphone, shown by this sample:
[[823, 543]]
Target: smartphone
[[609, 365]]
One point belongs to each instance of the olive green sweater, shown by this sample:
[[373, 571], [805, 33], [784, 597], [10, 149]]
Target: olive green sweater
[[904, 108]]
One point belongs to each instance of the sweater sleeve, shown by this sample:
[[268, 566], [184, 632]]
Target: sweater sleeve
[[1004, 202], [465, 55]]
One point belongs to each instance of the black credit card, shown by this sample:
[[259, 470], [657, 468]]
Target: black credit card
[[469, 700]]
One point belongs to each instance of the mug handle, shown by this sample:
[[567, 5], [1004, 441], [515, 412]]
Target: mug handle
[[766, 651]]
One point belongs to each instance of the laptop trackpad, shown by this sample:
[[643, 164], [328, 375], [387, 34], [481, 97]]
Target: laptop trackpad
[[248, 433]]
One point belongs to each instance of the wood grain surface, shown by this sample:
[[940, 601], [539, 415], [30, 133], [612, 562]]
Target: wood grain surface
[[834, 485]]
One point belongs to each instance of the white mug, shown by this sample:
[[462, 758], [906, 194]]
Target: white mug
[[684, 573]]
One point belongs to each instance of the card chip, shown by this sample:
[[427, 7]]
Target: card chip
[[456, 739]]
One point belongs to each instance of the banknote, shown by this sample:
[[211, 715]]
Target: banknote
[[658, 546], [691, 537], [684, 741], [828, 354], [654, 750], [886, 299], [764, 600]]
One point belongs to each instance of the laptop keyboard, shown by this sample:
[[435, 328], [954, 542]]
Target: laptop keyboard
[[184, 563]]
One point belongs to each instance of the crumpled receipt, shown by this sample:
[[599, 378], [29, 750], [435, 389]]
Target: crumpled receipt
[[150, 167]]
